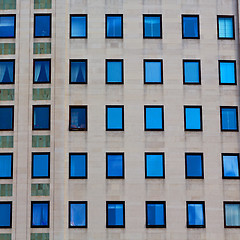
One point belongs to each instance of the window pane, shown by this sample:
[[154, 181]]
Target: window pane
[[154, 165], [195, 214], [232, 214], [78, 119], [194, 165], [114, 72], [7, 26], [115, 214], [78, 26], [6, 71], [114, 26], [5, 216], [155, 214], [154, 118], [114, 118], [190, 27], [40, 214], [193, 118], [114, 165], [42, 71], [40, 165], [225, 25], [152, 26], [191, 72], [227, 72], [78, 165], [41, 118], [229, 119], [230, 166], [6, 118], [5, 165], [42, 26], [153, 72], [78, 71], [77, 215]]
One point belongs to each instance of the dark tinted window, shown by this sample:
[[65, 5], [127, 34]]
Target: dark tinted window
[[7, 26], [41, 117], [42, 25], [7, 71], [78, 118]]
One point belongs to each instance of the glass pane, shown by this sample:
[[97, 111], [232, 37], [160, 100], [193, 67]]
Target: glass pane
[[154, 165], [78, 72], [153, 72], [190, 27], [114, 26], [40, 165], [115, 165], [225, 27], [191, 72], [42, 25], [152, 26], [78, 118], [115, 214], [40, 214], [194, 165], [195, 214], [6, 71], [78, 165], [6, 118], [193, 118], [232, 215], [5, 166], [230, 166], [114, 72], [78, 26], [42, 71], [155, 213], [77, 214], [7, 26], [154, 118], [229, 119], [41, 118], [227, 72], [114, 118], [5, 216]]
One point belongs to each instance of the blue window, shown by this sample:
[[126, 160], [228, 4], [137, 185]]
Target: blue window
[[115, 118], [41, 117], [6, 165], [154, 165], [78, 71], [7, 26], [42, 71], [40, 165], [40, 215], [193, 118], [229, 118], [42, 25], [115, 165], [226, 27], [231, 214], [77, 165], [78, 26], [194, 165], [156, 215], [191, 72], [195, 214], [78, 118], [6, 215], [6, 118], [7, 71], [78, 214], [152, 26], [153, 71], [190, 26], [114, 26], [227, 72], [114, 69], [230, 164], [153, 118], [116, 214]]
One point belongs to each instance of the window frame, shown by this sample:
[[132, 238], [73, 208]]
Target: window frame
[[114, 15], [86, 25], [144, 70], [219, 71], [86, 164], [12, 107], [114, 106], [86, 213], [225, 16], [198, 24], [50, 73], [202, 158], [204, 214], [221, 123], [145, 117], [6, 154], [115, 202], [199, 75], [164, 207], [41, 153], [106, 71], [152, 15], [39, 202], [224, 212], [10, 15], [49, 119], [230, 154], [10, 226], [70, 75], [86, 118], [201, 119], [34, 25], [123, 165], [13, 61]]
